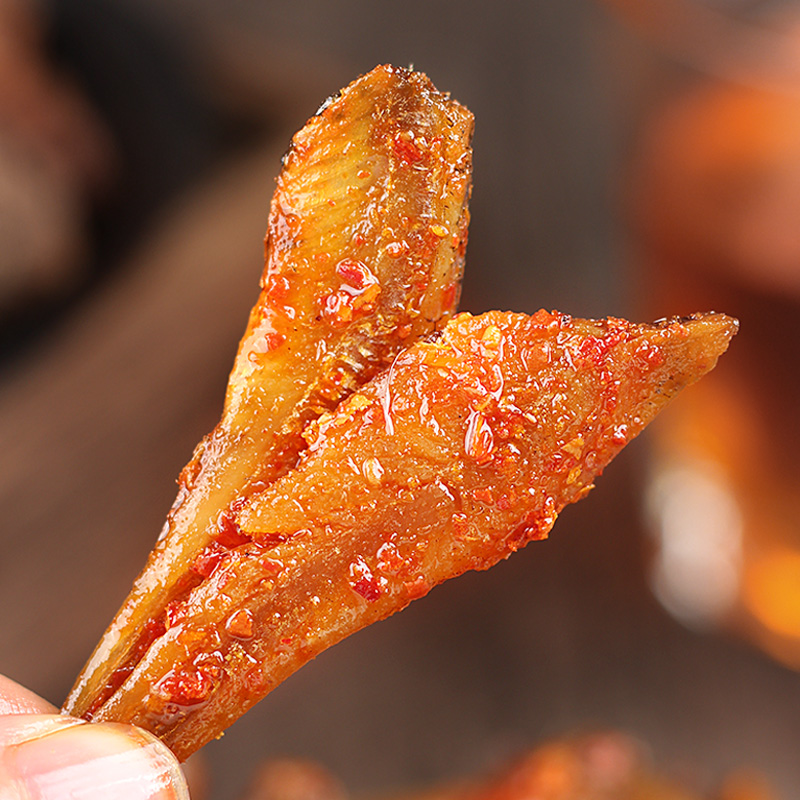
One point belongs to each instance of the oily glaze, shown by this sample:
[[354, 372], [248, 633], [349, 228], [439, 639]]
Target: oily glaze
[[367, 451], [364, 255], [461, 452]]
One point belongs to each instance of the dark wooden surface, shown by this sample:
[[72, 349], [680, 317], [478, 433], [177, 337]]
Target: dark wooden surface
[[99, 417]]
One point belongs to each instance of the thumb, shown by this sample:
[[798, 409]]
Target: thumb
[[51, 757]]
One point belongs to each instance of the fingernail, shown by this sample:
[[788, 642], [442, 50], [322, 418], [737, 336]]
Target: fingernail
[[19, 728], [94, 761]]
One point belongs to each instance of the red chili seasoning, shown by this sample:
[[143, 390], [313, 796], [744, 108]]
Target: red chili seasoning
[[229, 534], [209, 559], [355, 273], [363, 582], [240, 624], [406, 149], [397, 249], [417, 588], [186, 687]]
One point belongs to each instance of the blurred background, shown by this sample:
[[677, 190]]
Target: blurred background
[[631, 158]]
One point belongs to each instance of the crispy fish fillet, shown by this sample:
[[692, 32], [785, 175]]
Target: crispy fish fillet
[[364, 255], [461, 452]]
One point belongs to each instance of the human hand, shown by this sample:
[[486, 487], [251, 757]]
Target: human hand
[[47, 756]]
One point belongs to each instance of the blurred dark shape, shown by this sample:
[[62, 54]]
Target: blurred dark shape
[[101, 125], [55, 156], [747, 41], [196, 772], [603, 765], [719, 185], [163, 125], [745, 785], [293, 779], [715, 193], [599, 766]]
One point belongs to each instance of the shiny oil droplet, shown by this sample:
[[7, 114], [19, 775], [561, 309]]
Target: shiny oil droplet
[[373, 471]]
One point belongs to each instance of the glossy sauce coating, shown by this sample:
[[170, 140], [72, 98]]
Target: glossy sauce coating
[[364, 255], [464, 450]]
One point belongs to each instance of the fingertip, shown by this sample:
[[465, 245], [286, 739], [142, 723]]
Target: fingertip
[[93, 761], [16, 699]]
